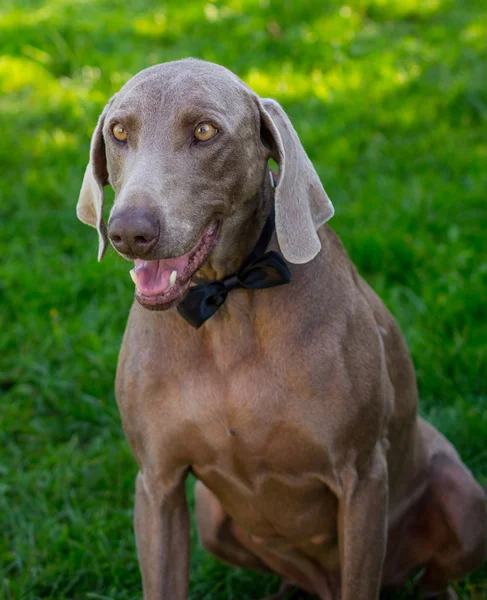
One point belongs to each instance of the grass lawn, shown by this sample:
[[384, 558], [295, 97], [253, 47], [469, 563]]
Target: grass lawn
[[390, 100]]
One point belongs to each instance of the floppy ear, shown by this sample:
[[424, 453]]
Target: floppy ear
[[90, 202], [302, 205]]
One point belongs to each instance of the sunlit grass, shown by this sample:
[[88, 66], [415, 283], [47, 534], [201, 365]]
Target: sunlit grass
[[390, 100]]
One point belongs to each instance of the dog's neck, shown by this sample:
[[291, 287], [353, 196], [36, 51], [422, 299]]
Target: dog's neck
[[239, 234]]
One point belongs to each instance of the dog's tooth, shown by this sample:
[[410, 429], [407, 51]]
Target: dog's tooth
[[135, 276], [172, 279]]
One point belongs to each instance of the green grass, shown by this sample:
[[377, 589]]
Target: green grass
[[390, 100]]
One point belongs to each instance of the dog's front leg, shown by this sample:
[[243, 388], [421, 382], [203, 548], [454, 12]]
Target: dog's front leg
[[362, 526], [162, 534]]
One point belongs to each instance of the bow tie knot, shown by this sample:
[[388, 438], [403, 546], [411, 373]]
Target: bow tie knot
[[258, 271]]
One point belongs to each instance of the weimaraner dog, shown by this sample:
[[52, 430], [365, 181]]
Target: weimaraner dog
[[295, 406]]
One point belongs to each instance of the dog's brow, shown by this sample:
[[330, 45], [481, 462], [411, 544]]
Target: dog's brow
[[129, 118], [198, 112]]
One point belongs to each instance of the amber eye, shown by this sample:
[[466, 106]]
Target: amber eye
[[205, 131], [119, 132]]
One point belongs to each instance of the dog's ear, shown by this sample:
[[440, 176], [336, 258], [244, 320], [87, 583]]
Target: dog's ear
[[90, 202], [301, 202]]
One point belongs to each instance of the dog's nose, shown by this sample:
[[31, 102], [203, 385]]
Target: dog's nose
[[134, 231]]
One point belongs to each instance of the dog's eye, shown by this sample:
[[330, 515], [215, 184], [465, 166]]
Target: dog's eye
[[119, 132], [205, 131]]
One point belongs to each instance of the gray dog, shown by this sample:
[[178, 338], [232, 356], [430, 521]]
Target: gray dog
[[296, 406]]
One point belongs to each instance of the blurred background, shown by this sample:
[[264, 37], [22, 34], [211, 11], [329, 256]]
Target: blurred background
[[390, 100]]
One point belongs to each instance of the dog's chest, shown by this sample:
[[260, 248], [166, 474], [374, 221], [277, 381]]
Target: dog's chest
[[256, 444], [250, 419]]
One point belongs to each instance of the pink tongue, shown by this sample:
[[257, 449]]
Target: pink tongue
[[153, 275]]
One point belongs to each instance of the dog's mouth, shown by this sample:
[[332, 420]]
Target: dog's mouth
[[160, 284]]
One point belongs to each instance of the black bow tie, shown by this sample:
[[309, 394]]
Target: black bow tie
[[258, 271]]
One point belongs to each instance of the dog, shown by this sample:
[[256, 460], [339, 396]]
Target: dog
[[285, 386]]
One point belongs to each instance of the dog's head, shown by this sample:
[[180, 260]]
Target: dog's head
[[185, 146]]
